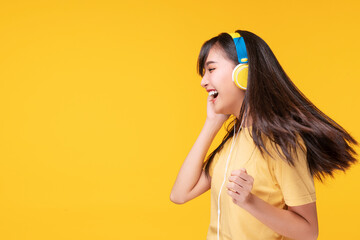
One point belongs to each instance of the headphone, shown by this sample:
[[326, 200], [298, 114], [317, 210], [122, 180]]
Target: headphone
[[240, 72]]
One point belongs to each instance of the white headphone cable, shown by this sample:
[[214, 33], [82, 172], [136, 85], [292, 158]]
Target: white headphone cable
[[227, 161]]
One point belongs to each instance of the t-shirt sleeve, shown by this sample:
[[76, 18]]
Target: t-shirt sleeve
[[296, 182], [213, 163]]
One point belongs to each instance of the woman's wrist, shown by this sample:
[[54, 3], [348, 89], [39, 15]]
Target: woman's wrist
[[212, 126]]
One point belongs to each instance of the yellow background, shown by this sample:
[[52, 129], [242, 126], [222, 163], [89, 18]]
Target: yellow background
[[101, 103]]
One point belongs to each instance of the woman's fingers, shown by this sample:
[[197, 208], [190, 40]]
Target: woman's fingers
[[240, 181]]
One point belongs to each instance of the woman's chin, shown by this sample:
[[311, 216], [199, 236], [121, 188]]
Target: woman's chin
[[218, 111]]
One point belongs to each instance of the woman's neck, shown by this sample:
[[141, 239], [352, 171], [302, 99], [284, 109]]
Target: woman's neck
[[248, 121]]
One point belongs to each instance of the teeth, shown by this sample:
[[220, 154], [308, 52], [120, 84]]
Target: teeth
[[211, 93]]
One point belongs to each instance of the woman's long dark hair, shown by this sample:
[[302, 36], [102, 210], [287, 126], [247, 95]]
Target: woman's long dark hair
[[281, 112]]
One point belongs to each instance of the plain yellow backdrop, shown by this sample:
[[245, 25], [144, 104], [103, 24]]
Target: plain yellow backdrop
[[101, 103]]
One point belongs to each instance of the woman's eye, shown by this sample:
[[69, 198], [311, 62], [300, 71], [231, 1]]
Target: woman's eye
[[210, 69]]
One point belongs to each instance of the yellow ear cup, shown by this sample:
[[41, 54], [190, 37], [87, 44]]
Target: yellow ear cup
[[240, 75]]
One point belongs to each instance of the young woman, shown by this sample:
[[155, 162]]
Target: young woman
[[262, 174]]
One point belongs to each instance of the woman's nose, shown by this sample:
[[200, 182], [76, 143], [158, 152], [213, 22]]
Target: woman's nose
[[204, 82]]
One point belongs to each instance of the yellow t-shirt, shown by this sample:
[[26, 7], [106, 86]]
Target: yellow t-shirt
[[275, 181]]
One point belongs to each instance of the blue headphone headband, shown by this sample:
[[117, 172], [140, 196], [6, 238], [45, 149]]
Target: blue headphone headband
[[241, 71], [240, 47]]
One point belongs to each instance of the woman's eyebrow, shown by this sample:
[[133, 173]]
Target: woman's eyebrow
[[207, 63]]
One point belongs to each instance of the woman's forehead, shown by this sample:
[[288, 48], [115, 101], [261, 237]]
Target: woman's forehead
[[216, 54], [216, 51]]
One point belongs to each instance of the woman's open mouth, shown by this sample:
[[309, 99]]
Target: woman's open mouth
[[214, 95]]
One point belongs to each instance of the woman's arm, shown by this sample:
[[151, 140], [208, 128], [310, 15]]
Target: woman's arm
[[188, 183], [298, 222]]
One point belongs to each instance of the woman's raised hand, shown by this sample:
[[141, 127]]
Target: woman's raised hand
[[217, 118]]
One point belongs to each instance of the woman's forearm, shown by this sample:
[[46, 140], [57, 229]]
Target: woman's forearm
[[284, 222], [191, 169]]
